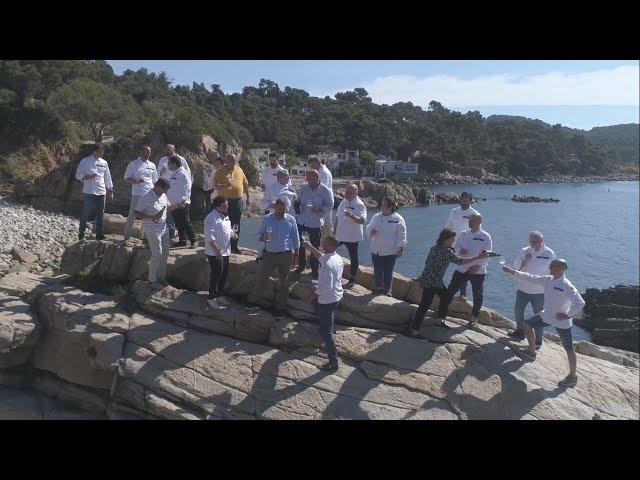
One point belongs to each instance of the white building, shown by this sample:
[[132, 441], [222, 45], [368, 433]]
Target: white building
[[386, 167]]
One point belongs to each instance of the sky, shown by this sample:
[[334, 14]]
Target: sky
[[576, 93]]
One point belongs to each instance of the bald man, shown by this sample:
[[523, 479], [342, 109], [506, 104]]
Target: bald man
[[561, 303], [470, 243], [141, 174], [350, 218]]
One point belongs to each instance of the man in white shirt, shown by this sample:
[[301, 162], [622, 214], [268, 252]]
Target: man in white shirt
[[142, 175], [152, 209], [350, 218], [270, 173], [458, 221], [163, 164], [217, 247], [326, 179], [535, 259], [93, 172], [469, 244], [179, 195], [279, 189], [328, 295], [166, 173], [561, 303]]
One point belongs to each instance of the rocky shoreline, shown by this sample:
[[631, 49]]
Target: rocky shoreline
[[483, 178], [98, 342]]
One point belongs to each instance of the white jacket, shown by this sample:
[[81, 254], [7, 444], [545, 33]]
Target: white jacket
[[391, 233]]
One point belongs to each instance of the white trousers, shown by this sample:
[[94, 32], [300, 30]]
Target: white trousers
[[159, 247]]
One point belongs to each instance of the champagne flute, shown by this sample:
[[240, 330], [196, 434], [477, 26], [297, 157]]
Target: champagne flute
[[235, 228], [305, 236], [268, 231]]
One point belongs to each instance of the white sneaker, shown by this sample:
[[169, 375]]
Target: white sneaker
[[213, 303], [223, 301]]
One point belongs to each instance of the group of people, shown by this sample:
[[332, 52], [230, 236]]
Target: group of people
[[299, 220]]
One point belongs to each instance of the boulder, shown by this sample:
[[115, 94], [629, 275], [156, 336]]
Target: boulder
[[23, 256], [19, 331], [114, 224]]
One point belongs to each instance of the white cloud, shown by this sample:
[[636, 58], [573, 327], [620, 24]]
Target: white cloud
[[617, 86]]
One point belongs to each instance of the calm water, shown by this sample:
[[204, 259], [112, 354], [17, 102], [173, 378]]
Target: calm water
[[594, 227]]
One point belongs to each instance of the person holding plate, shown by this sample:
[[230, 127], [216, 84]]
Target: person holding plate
[[431, 280], [469, 244], [142, 175]]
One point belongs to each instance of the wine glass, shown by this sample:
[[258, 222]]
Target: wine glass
[[305, 236], [235, 228], [268, 231]]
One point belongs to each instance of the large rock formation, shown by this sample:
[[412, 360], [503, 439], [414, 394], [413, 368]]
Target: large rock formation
[[57, 189], [163, 353], [613, 316]]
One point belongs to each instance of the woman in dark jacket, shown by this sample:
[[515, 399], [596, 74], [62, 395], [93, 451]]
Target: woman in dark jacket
[[431, 280]]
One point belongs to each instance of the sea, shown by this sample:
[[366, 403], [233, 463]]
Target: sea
[[594, 226]]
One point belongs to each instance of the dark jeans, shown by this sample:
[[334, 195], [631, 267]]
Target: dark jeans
[[218, 270], [326, 314], [352, 248], [183, 224], [235, 214], [171, 223], [427, 298], [314, 238], [477, 286], [383, 271], [92, 205]]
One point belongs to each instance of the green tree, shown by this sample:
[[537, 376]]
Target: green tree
[[95, 105], [249, 168]]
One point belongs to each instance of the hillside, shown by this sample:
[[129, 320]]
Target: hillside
[[624, 139], [49, 102]]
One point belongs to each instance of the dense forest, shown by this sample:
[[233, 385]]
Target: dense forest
[[84, 100]]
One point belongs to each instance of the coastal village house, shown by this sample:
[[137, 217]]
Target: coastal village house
[[385, 168], [340, 163]]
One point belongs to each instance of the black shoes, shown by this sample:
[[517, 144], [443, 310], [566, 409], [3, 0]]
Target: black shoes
[[517, 335], [193, 244], [351, 282], [236, 251], [179, 244], [100, 237], [81, 236], [330, 367]]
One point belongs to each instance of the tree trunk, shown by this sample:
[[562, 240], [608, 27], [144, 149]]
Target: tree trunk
[[97, 133]]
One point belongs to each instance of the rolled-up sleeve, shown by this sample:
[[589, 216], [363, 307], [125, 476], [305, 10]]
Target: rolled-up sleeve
[[402, 233], [108, 183], [129, 172], [296, 235], [81, 171]]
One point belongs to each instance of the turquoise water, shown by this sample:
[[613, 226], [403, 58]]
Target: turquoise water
[[594, 227]]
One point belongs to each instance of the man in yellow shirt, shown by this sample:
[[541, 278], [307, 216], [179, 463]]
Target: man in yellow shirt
[[231, 183]]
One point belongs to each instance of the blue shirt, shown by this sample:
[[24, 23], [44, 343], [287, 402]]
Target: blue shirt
[[320, 197], [284, 233]]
